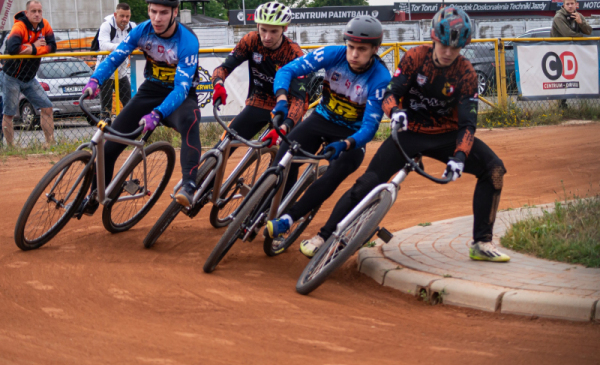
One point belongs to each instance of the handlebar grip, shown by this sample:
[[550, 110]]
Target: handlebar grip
[[217, 103], [266, 143], [276, 121], [87, 92], [328, 154]]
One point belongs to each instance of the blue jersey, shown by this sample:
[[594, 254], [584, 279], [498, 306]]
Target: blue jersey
[[170, 62], [350, 99]]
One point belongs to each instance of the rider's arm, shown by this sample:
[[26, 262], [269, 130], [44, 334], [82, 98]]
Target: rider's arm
[[320, 58], [297, 93], [467, 115], [234, 58], [400, 83], [107, 67], [184, 76], [372, 116]]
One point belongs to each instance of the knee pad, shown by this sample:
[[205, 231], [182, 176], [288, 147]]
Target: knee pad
[[364, 185], [497, 172]]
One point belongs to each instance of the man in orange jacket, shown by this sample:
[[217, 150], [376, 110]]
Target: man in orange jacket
[[30, 35]]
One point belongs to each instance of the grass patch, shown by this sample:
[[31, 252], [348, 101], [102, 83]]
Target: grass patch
[[571, 233]]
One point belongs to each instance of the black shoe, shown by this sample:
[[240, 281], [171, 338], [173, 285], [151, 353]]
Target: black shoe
[[87, 207], [185, 195]]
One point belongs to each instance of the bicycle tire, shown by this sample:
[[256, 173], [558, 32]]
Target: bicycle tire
[[333, 255], [119, 216], [220, 215], [174, 208], [22, 238], [234, 229], [276, 246]]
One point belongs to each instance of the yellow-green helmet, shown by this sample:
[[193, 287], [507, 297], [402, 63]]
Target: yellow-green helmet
[[273, 13]]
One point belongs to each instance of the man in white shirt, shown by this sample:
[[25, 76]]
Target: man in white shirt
[[115, 29]]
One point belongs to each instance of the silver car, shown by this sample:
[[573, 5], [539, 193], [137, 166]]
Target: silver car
[[63, 79]]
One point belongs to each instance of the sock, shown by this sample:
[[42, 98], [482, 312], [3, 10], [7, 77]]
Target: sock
[[288, 219]]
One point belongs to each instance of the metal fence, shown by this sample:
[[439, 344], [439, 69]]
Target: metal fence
[[61, 78]]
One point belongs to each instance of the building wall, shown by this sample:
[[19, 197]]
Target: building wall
[[69, 14]]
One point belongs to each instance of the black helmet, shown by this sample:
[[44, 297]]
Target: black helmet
[[171, 3], [364, 29]]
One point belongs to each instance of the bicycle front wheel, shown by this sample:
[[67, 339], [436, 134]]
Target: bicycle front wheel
[[220, 215], [275, 246], [128, 205], [48, 208], [337, 251], [174, 208], [235, 230]]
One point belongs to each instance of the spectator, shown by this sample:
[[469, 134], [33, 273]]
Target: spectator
[[568, 22], [115, 29], [30, 35]]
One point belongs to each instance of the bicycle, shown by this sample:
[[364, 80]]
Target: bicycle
[[360, 224], [227, 197], [129, 196], [264, 202]]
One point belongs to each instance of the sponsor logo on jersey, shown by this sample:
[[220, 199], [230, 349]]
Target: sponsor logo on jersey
[[257, 57], [204, 90], [348, 84], [161, 49], [163, 74], [421, 79], [148, 46], [336, 76], [398, 72], [448, 89], [358, 90], [260, 75]]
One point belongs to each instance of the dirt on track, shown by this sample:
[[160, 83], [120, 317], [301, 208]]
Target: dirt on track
[[89, 297]]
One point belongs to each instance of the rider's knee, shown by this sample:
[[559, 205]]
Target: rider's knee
[[364, 185], [496, 171]]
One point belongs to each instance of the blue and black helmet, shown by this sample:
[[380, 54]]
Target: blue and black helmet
[[451, 27]]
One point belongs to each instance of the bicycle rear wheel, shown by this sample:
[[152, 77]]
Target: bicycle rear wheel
[[46, 211], [124, 211], [275, 246], [240, 186], [337, 251], [234, 231], [174, 208]]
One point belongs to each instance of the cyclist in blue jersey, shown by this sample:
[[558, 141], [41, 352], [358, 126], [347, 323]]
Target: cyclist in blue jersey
[[167, 95], [346, 118]]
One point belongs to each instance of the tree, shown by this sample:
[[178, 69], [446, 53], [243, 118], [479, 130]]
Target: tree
[[139, 10]]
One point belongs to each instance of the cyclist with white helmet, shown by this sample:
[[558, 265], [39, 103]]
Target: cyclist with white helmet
[[168, 94], [267, 50], [433, 94], [347, 117]]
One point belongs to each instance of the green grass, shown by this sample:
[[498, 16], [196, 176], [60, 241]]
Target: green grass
[[571, 233]]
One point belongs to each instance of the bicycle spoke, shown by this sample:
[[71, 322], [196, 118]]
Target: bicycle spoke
[[50, 207]]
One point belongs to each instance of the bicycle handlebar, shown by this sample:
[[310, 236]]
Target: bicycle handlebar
[[107, 128], [414, 165], [233, 132], [275, 123]]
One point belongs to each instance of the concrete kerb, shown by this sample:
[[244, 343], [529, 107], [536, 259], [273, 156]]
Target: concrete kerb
[[597, 316], [530, 303]]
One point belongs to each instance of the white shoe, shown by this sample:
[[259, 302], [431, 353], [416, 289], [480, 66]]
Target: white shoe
[[486, 251], [310, 247]]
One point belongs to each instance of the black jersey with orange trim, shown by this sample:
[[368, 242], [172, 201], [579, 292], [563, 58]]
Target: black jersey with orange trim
[[436, 99], [263, 63]]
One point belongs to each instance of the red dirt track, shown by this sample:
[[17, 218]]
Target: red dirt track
[[89, 297]]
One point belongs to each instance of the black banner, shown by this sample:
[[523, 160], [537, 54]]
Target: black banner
[[488, 7], [330, 14]]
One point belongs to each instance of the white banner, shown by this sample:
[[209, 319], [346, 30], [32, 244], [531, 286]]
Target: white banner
[[236, 85], [5, 6], [557, 71]]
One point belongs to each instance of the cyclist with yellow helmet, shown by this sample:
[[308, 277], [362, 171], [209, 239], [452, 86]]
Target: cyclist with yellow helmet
[[267, 50]]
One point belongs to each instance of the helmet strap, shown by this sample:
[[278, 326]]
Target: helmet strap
[[171, 22]]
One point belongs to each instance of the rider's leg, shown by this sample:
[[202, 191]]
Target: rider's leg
[[325, 186]]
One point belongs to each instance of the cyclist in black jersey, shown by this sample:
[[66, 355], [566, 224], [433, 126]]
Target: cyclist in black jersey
[[437, 88]]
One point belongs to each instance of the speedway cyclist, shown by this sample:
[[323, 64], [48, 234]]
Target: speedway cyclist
[[267, 50], [168, 95], [438, 89], [347, 117]]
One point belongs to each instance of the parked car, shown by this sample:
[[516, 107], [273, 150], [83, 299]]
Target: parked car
[[544, 32], [63, 79], [483, 59]]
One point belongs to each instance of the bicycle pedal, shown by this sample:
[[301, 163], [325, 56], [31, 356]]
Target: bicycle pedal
[[385, 235]]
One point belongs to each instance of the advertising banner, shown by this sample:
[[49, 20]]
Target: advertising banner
[[5, 6], [329, 14], [473, 7], [557, 70], [236, 85]]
